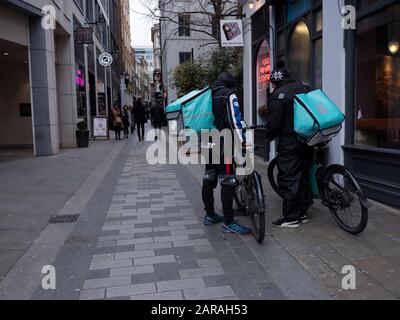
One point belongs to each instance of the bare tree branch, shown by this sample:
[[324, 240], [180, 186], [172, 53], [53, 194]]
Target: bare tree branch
[[205, 14]]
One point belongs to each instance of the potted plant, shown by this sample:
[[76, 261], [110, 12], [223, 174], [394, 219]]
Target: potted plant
[[82, 134]]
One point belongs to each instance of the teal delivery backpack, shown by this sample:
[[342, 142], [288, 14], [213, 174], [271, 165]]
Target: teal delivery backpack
[[194, 110], [316, 118]]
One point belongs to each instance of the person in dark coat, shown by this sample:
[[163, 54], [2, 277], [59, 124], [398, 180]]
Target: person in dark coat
[[140, 118], [157, 116], [125, 121], [294, 157], [226, 110]]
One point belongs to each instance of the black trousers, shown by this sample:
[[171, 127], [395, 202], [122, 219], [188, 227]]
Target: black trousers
[[117, 130], [225, 174], [157, 125], [126, 129], [140, 130], [294, 163]]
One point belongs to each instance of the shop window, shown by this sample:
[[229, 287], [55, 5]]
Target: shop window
[[318, 20], [80, 91], [318, 64], [377, 113], [299, 52], [281, 41], [263, 77]]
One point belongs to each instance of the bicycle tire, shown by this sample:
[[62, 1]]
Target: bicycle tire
[[273, 166], [335, 199], [239, 203], [258, 216]]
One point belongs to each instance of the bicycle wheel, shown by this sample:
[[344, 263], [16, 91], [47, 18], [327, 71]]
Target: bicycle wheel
[[345, 199], [240, 202], [273, 176], [257, 206]]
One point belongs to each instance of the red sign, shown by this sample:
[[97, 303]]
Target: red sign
[[264, 70]]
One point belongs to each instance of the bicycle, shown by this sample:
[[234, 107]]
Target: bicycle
[[250, 199], [337, 188]]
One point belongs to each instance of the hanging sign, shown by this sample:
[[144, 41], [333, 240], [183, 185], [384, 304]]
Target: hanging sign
[[232, 33], [83, 35], [106, 59]]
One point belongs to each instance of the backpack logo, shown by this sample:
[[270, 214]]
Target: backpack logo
[[322, 109]]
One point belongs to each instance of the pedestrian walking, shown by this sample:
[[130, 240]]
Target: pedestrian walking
[[125, 121], [157, 116], [117, 121], [131, 119], [140, 118]]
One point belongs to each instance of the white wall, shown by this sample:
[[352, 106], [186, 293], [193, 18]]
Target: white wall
[[171, 40], [247, 72], [14, 84], [334, 68]]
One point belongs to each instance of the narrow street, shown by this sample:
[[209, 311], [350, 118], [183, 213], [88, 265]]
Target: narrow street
[[139, 236]]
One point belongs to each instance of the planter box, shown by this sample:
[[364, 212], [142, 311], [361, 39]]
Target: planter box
[[82, 138]]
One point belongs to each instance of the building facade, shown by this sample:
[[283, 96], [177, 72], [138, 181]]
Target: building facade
[[143, 79], [157, 74], [51, 77], [127, 63], [180, 42], [358, 69], [146, 58]]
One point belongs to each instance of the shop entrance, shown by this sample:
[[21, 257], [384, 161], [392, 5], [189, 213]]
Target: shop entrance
[[15, 99]]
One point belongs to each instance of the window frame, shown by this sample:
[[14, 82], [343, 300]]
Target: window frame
[[184, 29], [287, 28]]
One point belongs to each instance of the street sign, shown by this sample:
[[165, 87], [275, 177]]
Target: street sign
[[232, 33], [106, 59], [83, 35]]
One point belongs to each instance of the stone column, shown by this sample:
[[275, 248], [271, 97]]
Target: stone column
[[43, 89], [66, 90]]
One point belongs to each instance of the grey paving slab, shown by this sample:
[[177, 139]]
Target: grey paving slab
[[209, 293], [94, 294], [107, 282], [131, 290], [170, 295], [148, 268], [180, 284], [201, 272]]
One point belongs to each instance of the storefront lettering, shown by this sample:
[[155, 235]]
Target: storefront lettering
[[264, 71]]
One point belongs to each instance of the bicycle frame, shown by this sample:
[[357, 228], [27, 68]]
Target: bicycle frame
[[314, 180]]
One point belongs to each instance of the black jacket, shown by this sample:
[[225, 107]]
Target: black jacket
[[140, 113], [280, 118], [226, 108], [158, 114]]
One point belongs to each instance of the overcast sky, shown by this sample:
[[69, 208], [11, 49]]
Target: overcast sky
[[140, 25]]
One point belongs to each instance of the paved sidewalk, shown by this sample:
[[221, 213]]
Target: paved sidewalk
[[32, 190], [152, 245], [323, 249], [140, 236]]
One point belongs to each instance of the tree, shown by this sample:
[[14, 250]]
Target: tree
[[205, 71], [189, 76], [205, 15]]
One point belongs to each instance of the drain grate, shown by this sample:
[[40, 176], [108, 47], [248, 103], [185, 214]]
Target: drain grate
[[64, 219]]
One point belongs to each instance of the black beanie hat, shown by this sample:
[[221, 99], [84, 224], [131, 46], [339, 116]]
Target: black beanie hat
[[280, 73]]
